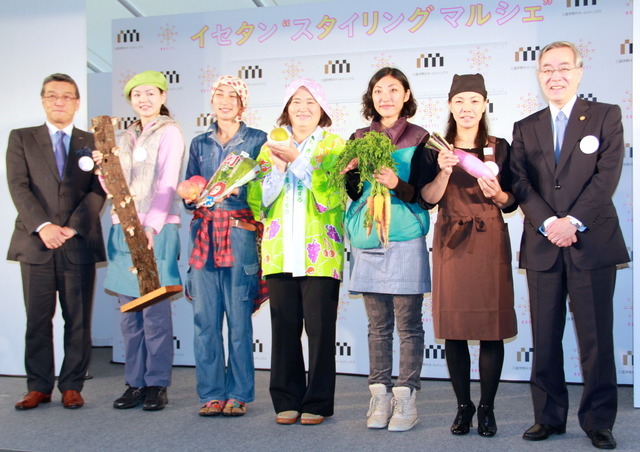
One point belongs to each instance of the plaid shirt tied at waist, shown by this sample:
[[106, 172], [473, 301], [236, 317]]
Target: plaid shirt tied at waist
[[222, 221]]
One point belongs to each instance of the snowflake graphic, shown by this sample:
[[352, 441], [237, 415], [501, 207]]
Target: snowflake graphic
[[427, 303], [293, 70], [208, 75], [338, 116], [168, 34], [124, 78], [251, 117], [381, 61], [528, 104], [343, 305], [429, 113], [628, 307], [523, 306], [627, 100], [479, 59], [585, 49], [575, 359], [627, 204]]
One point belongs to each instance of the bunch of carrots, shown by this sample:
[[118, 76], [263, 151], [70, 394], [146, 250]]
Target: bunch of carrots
[[373, 152]]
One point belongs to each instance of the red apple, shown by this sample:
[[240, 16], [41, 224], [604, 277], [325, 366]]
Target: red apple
[[201, 181], [188, 190]]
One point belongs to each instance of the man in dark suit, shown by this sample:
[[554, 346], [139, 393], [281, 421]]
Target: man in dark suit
[[57, 240], [566, 161]]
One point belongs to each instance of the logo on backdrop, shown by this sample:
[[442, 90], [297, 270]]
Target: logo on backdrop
[[588, 96], [337, 67], [173, 77], [250, 72], [434, 352], [204, 120], [524, 355], [128, 36], [176, 342], [626, 48], [430, 60], [343, 349], [125, 121], [581, 3], [258, 347], [529, 53]]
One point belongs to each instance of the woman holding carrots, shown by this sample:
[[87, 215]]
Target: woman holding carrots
[[392, 278], [224, 280], [302, 253], [471, 244], [151, 151]]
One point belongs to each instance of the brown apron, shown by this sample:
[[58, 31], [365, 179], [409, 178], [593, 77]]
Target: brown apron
[[472, 280]]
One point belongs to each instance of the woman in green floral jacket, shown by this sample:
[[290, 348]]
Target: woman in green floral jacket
[[302, 254]]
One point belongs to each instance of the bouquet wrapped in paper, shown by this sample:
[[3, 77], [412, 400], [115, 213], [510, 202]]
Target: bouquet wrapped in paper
[[234, 171]]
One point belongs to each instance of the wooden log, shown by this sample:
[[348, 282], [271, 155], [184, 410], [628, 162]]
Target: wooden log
[[144, 263]]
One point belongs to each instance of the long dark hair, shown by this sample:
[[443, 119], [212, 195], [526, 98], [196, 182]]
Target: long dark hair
[[368, 109]]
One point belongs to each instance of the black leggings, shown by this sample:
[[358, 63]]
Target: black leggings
[[459, 364]]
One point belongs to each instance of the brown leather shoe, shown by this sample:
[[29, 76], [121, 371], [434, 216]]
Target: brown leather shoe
[[72, 399], [311, 419], [32, 399]]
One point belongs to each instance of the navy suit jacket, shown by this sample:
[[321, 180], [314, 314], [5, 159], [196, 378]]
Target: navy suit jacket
[[41, 196], [581, 184]]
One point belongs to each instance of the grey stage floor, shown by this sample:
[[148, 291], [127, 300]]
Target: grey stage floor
[[99, 427]]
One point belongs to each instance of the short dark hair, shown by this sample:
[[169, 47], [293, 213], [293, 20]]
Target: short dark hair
[[285, 120], [57, 77], [368, 109]]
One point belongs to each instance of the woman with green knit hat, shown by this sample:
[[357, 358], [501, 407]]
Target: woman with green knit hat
[[151, 151]]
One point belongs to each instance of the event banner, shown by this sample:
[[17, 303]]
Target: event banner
[[341, 45]]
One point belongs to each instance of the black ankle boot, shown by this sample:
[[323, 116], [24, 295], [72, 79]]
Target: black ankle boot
[[486, 421], [463, 419]]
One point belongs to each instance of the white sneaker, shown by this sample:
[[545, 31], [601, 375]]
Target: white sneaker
[[379, 406], [405, 413]]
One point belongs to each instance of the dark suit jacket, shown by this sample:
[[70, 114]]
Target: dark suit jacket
[[581, 185], [40, 196]]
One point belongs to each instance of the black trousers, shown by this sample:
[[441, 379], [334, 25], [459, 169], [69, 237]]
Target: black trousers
[[591, 303], [74, 286], [312, 302]]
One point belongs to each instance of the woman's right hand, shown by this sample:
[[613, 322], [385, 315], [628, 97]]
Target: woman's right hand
[[447, 160], [351, 165], [97, 157]]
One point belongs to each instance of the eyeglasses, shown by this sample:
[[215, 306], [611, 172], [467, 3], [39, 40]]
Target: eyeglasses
[[52, 98], [561, 71]]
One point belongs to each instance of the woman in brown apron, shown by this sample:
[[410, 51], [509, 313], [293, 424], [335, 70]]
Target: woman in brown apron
[[472, 280]]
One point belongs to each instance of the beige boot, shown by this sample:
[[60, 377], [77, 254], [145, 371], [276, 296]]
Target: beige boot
[[379, 406], [405, 413]]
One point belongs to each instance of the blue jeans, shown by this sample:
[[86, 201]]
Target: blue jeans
[[408, 313], [217, 292]]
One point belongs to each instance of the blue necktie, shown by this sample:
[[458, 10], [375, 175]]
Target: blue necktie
[[60, 152], [561, 126]]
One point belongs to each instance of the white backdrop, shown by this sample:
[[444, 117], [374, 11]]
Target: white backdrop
[[342, 46], [26, 26]]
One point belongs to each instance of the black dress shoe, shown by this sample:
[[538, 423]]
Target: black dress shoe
[[486, 421], [538, 432], [602, 438], [131, 398], [463, 419], [156, 398]]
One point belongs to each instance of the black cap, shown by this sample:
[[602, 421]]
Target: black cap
[[467, 82]]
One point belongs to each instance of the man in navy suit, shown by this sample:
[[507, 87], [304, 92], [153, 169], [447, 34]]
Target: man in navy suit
[[566, 161], [57, 240]]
